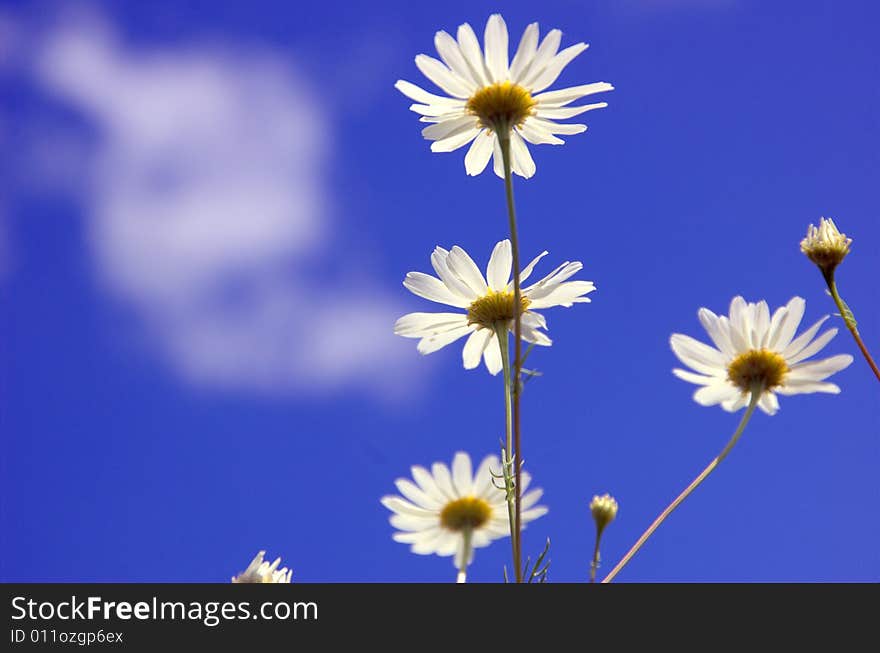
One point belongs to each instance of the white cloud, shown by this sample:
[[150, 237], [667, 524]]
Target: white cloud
[[208, 213]]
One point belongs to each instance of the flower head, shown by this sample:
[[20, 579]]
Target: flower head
[[754, 350], [488, 94], [488, 302], [441, 505], [262, 572], [825, 245], [604, 510]]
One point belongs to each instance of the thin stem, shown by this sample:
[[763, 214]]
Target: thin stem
[[504, 143], [504, 345], [850, 321], [753, 402], [594, 565], [465, 555]]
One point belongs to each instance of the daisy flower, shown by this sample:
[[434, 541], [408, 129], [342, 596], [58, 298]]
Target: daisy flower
[[262, 572], [488, 94], [825, 245], [453, 512], [488, 301], [753, 349]]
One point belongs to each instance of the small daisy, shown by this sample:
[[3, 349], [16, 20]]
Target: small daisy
[[453, 512], [488, 301], [756, 350], [489, 95], [825, 245], [262, 572]]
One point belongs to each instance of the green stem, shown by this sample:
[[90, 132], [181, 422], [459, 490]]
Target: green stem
[[753, 402], [504, 345], [504, 143], [850, 320], [594, 565]]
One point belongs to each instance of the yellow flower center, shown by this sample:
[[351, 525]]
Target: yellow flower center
[[496, 306], [758, 366], [503, 104], [466, 513]]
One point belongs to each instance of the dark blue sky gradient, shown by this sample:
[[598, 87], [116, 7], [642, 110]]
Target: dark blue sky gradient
[[732, 127]]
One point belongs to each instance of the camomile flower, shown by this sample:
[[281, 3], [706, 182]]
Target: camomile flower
[[487, 94], [488, 302], [262, 572], [754, 350], [453, 512], [825, 245]]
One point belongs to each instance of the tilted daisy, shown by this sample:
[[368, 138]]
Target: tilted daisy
[[262, 572], [753, 349], [488, 301], [489, 94], [452, 512]]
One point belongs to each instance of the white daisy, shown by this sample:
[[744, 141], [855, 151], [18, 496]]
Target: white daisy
[[262, 572], [443, 508], [488, 301], [825, 245], [488, 95], [755, 349]]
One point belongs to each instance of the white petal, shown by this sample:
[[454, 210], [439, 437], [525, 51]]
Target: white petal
[[457, 140], [436, 112], [795, 313], [447, 48], [415, 494], [492, 357], [420, 325], [498, 270], [451, 127], [813, 348], [768, 403], [528, 45], [798, 387], [523, 163], [463, 266], [462, 474], [420, 95], [474, 348], [527, 270], [439, 260], [426, 481], [697, 355], [564, 294], [479, 153], [431, 344], [559, 128], [470, 48], [734, 404], [498, 160], [796, 345], [819, 370], [530, 334], [561, 113], [537, 135], [483, 480], [424, 285], [444, 480], [718, 334], [495, 38], [554, 68], [690, 377], [402, 507], [443, 77], [545, 53], [714, 394], [565, 96]]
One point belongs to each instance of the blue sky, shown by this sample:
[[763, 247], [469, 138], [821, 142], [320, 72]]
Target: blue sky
[[205, 219]]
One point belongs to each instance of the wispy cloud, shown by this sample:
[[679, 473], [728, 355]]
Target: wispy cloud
[[208, 208]]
